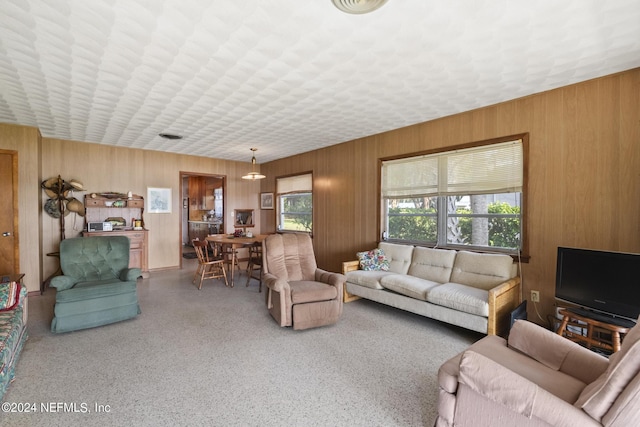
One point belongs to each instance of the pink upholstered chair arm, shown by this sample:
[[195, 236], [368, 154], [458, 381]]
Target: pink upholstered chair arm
[[274, 283], [334, 279], [556, 352], [505, 387]]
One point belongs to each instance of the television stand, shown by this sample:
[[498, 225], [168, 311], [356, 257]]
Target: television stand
[[571, 318]]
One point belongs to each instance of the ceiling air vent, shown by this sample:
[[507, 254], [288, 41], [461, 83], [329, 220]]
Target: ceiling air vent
[[169, 136]]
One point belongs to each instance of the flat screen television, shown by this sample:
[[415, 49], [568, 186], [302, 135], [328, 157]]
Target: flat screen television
[[600, 281]]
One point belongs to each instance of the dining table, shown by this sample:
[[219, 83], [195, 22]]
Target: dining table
[[235, 243]]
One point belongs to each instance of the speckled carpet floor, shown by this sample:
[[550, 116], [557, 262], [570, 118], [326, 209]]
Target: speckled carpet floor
[[216, 358]]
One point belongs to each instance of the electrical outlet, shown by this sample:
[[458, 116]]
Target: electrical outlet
[[535, 296]]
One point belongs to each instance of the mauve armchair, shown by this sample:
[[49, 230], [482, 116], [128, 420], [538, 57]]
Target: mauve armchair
[[299, 294], [538, 378]]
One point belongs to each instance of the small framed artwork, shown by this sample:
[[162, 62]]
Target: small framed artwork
[[159, 200], [266, 200]]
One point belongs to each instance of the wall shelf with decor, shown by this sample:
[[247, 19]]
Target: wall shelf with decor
[[126, 215]]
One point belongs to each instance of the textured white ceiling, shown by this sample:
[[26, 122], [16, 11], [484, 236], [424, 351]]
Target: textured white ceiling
[[289, 76]]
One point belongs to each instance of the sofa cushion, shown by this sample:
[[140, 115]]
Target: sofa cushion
[[461, 297], [399, 256], [483, 271], [373, 260], [410, 286], [597, 397], [368, 279], [432, 264]]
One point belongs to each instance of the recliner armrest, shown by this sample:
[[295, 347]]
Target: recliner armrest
[[333, 279], [274, 283], [62, 283], [556, 352], [503, 386], [130, 274]]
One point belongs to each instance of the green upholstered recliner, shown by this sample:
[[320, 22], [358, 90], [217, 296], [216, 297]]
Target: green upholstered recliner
[[97, 286]]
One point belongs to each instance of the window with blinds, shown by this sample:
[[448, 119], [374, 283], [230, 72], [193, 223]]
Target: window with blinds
[[294, 207], [470, 197]]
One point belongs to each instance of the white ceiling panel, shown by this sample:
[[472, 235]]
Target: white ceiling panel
[[289, 76]]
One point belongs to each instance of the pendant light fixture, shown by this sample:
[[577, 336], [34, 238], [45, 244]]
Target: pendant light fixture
[[358, 7], [253, 175]]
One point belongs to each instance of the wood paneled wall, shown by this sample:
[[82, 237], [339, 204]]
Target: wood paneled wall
[[584, 175], [584, 179], [103, 168], [26, 141]]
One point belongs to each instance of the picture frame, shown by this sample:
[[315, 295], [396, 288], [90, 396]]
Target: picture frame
[[158, 200], [266, 200]]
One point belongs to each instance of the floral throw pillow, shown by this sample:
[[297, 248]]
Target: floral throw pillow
[[373, 260], [9, 295]]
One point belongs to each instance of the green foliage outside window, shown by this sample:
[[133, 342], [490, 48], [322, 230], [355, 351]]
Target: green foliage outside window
[[420, 225], [297, 212]]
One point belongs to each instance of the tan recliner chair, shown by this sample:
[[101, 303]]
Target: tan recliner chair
[[299, 294], [539, 378]]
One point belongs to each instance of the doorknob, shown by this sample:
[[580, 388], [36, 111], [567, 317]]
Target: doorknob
[[6, 234]]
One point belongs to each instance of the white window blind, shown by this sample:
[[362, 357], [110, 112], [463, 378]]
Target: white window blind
[[295, 184], [495, 168]]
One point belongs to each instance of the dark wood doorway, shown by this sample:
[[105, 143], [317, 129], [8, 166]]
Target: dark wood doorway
[[9, 243], [203, 207]]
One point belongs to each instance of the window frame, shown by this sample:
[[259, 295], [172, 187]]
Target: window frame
[[522, 254], [278, 195]]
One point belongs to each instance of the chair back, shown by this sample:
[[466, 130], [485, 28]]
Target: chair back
[[94, 258], [289, 256], [202, 251]]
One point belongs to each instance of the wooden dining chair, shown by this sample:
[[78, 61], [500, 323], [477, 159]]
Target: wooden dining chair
[[210, 264], [255, 263]]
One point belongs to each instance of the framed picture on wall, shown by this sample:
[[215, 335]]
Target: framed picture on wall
[[159, 200], [266, 200]]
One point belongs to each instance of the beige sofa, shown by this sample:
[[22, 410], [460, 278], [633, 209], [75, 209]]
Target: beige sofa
[[539, 378], [472, 290]]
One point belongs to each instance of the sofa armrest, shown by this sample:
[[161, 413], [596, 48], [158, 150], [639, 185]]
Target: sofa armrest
[[62, 283], [503, 386], [348, 266], [556, 352], [502, 300]]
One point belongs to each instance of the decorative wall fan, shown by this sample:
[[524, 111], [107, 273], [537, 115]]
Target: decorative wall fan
[[60, 203]]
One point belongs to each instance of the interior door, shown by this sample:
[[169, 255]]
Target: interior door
[[8, 212]]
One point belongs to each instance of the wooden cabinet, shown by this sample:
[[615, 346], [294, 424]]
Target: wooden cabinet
[[200, 194], [98, 208], [138, 246], [198, 230]]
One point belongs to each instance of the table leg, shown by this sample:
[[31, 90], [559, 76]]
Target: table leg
[[233, 263], [615, 341], [563, 325]]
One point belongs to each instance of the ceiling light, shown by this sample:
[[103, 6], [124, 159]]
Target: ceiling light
[[358, 6], [169, 136], [253, 175]]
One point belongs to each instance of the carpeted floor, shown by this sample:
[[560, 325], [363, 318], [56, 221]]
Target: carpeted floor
[[215, 357], [189, 255]]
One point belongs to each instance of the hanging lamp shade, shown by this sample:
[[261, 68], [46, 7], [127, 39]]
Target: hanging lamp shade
[[253, 175], [358, 6]]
